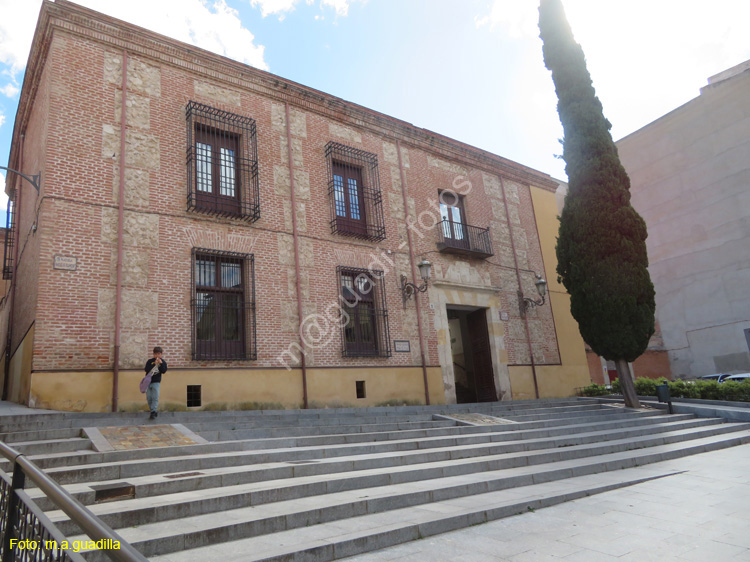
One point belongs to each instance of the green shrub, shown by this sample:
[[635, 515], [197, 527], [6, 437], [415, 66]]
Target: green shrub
[[616, 387], [595, 390], [709, 390], [684, 389], [735, 391], [704, 390], [645, 386]]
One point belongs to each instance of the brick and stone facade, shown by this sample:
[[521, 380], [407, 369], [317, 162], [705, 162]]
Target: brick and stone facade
[[69, 127]]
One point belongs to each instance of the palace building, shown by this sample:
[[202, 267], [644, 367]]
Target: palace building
[[286, 248]]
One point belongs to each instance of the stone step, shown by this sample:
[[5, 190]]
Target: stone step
[[320, 439], [149, 507], [307, 418], [73, 459], [157, 484], [308, 532], [40, 435], [71, 444], [71, 419], [278, 426], [132, 468], [374, 470], [562, 413], [301, 431]]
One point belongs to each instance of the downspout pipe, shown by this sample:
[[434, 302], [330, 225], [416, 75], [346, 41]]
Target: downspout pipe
[[518, 278], [303, 361], [14, 275], [120, 235], [414, 276]]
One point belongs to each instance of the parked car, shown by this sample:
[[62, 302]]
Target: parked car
[[718, 377], [740, 377]]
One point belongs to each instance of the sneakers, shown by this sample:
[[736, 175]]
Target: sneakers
[[153, 416]]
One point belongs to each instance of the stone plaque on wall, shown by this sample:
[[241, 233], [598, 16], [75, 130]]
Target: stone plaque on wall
[[402, 346], [66, 263]]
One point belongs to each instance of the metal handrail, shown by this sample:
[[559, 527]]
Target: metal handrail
[[94, 527]]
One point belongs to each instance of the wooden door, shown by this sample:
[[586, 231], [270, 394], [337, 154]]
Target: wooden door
[[484, 378]]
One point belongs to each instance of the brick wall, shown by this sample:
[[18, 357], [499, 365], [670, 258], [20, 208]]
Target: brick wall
[[74, 137]]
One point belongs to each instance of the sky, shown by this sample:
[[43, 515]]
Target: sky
[[468, 69]]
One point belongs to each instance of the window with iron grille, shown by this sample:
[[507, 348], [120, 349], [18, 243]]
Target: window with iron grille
[[354, 192], [364, 315], [10, 234], [222, 162], [223, 305]]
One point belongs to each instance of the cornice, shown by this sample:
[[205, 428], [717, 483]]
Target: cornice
[[452, 286], [116, 34]]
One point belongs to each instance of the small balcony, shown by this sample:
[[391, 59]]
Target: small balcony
[[464, 239]]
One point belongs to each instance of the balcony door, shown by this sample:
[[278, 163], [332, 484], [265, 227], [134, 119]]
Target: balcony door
[[453, 219]]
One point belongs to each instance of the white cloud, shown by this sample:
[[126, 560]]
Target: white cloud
[[211, 25], [10, 90], [646, 58], [2, 118], [16, 31], [283, 7], [3, 197], [341, 6], [271, 7], [517, 17]]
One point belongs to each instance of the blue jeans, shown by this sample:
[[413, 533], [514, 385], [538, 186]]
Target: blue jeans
[[152, 396]]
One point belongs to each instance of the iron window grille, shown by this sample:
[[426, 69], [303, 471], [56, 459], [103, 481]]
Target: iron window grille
[[364, 315], [223, 305], [222, 163], [10, 238], [193, 396], [354, 192]]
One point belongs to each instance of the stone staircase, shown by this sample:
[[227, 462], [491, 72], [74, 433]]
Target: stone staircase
[[327, 484]]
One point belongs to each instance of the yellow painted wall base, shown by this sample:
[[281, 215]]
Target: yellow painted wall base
[[19, 372], [521, 383], [91, 391], [554, 381], [397, 386]]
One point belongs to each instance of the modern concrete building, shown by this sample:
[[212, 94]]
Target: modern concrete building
[[267, 235], [690, 176]]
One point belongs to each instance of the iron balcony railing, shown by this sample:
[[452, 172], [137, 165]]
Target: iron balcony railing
[[35, 538], [464, 239]]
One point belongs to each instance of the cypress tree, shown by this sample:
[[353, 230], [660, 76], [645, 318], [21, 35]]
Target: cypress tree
[[601, 248]]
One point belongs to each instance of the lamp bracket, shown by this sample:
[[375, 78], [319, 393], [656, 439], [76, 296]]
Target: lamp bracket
[[408, 289], [33, 180]]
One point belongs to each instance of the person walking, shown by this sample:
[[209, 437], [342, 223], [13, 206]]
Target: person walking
[[159, 367]]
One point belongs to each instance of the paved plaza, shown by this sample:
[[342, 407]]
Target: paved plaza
[[701, 514]]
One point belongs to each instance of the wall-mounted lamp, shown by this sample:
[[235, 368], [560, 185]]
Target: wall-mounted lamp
[[526, 303], [408, 289]]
